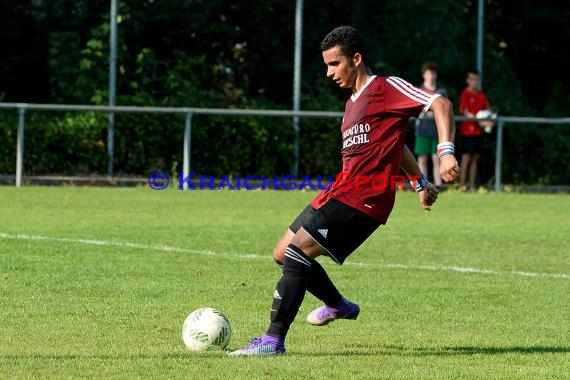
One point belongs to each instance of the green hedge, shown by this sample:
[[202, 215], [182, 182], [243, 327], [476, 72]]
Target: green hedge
[[75, 143]]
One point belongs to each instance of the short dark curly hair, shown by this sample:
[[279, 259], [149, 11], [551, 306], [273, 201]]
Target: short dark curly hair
[[347, 39]]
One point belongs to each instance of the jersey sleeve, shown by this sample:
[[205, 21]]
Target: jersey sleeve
[[404, 97]]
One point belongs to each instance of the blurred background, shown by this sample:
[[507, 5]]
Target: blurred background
[[240, 54]]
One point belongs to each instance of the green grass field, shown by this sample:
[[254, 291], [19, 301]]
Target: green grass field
[[96, 283]]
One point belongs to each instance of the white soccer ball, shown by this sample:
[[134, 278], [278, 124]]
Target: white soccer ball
[[486, 124], [206, 329]]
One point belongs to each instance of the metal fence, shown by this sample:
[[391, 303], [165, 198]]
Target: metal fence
[[21, 108]]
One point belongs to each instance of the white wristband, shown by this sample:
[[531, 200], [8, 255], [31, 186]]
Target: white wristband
[[445, 148]]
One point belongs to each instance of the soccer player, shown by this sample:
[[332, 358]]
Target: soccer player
[[341, 218]]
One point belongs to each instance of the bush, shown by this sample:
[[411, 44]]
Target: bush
[[75, 143]]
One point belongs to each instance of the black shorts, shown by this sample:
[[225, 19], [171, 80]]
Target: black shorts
[[336, 227], [471, 144]]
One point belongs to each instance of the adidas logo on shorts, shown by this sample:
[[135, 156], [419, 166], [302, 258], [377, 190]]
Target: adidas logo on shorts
[[324, 232]]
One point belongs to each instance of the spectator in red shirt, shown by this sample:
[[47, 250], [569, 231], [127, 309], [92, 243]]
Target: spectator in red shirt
[[472, 100]]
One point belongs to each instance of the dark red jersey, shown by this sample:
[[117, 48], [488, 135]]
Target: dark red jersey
[[373, 136]]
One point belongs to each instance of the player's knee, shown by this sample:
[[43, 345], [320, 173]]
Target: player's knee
[[278, 254], [295, 262], [279, 250]]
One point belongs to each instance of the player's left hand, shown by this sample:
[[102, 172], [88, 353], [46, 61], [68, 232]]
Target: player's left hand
[[448, 168], [428, 196]]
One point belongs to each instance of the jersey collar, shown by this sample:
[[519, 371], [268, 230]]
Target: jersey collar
[[355, 96]]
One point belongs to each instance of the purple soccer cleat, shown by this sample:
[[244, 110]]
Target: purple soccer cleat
[[326, 314], [264, 346]]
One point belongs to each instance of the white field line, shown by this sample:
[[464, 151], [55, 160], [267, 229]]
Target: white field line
[[166, 248]]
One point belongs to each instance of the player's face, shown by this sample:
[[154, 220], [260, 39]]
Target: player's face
[[340, 68]]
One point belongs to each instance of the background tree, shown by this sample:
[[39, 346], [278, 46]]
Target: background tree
[[240, 54]]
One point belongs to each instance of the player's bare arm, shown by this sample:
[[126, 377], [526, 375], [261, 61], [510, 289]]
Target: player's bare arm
[[443, 114]]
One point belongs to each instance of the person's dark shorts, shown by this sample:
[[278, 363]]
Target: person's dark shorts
[[336, 227], [471, 144]]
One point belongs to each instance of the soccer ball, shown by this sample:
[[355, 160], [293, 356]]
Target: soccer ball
[[206, 329], [486, 124]]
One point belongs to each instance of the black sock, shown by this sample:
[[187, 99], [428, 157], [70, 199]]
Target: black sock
[[290, 291], [320, 285]]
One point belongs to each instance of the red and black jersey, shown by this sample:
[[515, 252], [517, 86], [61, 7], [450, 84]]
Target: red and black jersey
[[373, 136]]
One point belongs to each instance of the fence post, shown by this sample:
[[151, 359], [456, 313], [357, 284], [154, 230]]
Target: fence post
[[186, 165], [112, 85], [297, 82], [296, 147], [20, 144], [499, 156]]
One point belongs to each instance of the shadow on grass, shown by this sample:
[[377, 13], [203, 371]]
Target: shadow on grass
[[141, 356], [361, 350], [394, 350], [471, 350]]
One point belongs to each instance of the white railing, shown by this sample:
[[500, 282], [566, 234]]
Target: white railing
[[189, 112]]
